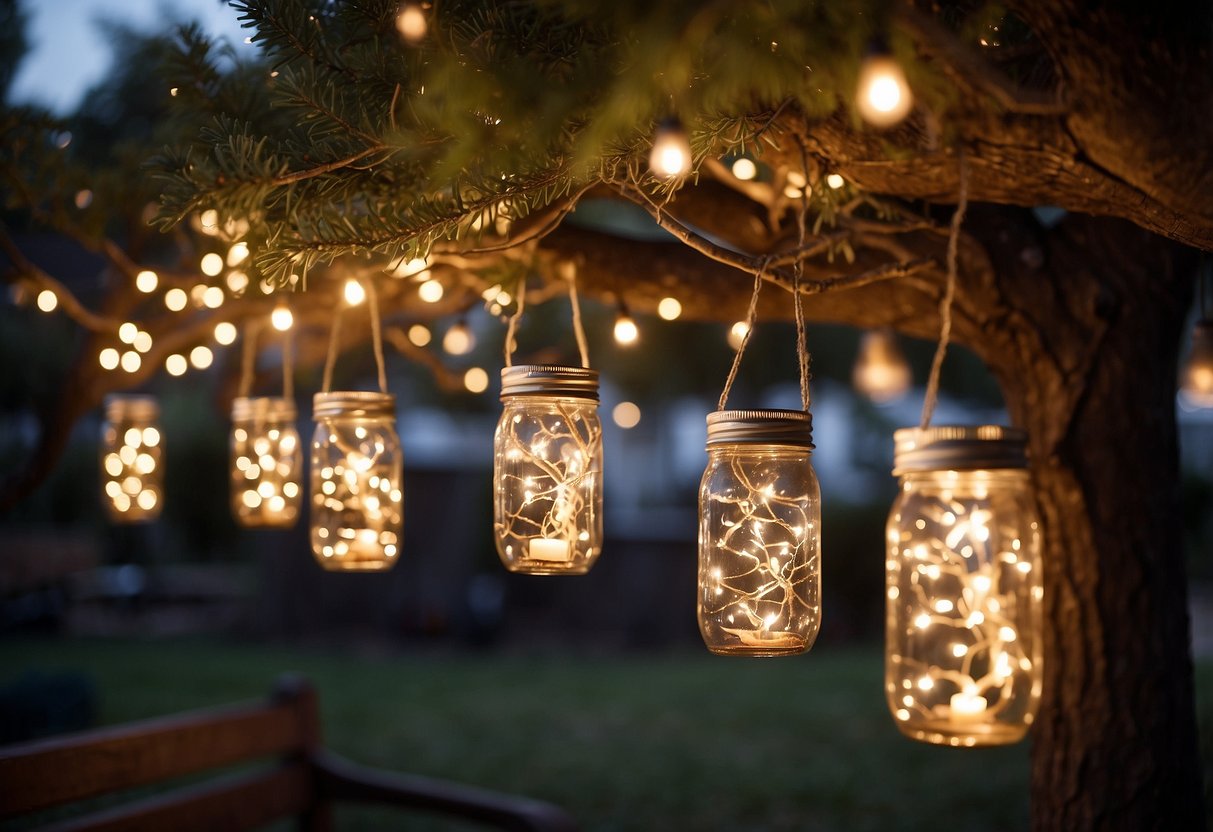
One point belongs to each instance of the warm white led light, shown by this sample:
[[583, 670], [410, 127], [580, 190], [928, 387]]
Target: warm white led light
[[745, 169], [146, 281], [476, 380], [419, 335], [282, 319], [626, 415], [671, 153], [225, 333], [626, 331], [211, 264], [669, 309], [354, 292], [175, 299], [430, 291], [883, 97], [47, 300]]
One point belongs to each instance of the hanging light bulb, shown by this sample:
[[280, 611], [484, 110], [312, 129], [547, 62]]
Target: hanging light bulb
[[356, 485], [737, 334], [759, 534], [459, 339], [547, 470], [671, 153], [883, 97], [964, 589], [132, 459], [626, 331], [354, 292], [881, 371], [411, 22], [1197, 385], [281, 318], [267, 459]]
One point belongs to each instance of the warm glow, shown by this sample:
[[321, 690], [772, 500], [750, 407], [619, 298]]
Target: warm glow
[[208, 221], [109, 358], [354, 292], [626, 331], [282, 319], [835, 181], [175, 299], [131, 362], [146, 281], [410, 267], [459, 340], [671, 153], [127, 333], [142, 342], [225, 333], [176, 365], [430, 291], [263, 429], [669, 309], [237, 254], [737, 334], [47, 300], [419, 335], [211, 264], [237, 282], [626, 415], [201, 357], [883, 97], [881, 371], [411, 22], [476, 380], [1196, 384], [745, 169], [212, 297], [131, 459]]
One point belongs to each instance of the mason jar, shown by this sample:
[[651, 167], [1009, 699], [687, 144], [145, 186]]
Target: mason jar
[[356, 480], [267, 462], [547, 470], [759, 534], [963, 647], [132, 459]]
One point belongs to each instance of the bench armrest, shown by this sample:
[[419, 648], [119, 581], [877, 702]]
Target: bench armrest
[[339, 779]]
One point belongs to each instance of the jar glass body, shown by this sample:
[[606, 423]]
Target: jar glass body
[[132, 459], [357, 491], [267, 463], [547, 484], [963, 646], [759, 550]]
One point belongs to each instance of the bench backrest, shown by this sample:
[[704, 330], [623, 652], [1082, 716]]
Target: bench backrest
[[48, 773]]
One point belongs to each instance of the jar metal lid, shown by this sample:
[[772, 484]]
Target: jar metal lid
[[958, 448], [120, 408], [761, 427], [355, 403], [549, 380], [263, 409]]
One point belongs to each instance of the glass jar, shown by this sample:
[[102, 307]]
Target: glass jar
[[267, 461], [357, 472], [963, 651], [547, 470], [132, 459], [759, 534]]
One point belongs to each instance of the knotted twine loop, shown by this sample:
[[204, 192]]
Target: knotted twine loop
[[945, 306], [376, 341], [569, 273]]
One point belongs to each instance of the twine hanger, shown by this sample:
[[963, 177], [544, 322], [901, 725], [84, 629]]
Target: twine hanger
[[248, 361], [569, 273], [945, 306], [372, 298]]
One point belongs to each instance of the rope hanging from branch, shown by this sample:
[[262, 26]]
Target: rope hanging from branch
[[569, 273], [945, 306], [376, 342], [248, 361]]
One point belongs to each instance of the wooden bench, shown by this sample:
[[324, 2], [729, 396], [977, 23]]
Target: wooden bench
[[298, 777]]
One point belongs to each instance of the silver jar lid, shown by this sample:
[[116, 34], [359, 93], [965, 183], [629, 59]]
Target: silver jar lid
[[263, 409], [958, 448], [120, 408], [354, 403], [549, 380], [761, 427]]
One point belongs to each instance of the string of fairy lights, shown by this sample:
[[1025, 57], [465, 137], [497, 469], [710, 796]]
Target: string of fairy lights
[[964, 585]]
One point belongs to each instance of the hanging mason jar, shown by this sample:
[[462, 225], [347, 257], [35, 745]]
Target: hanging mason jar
[[267, 462], [547, 470], [357, 473], [759, 534], [132, 457], [963, 653]]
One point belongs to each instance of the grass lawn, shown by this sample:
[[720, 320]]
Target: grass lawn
[[684, 742]]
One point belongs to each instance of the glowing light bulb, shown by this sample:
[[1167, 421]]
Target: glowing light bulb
[[476, 380], [282, 319], [237, 254], [47, 300], [127, 333], [1196, 387], [835, 181], [211, 264], [430, 291], [176, 365], [411, 23], [626, 331], [738, 333], [745, 169], [146, 281], [881, 371], [669, 309], [626, 415], [201, 357], [131, 362], [108, 358], [208, 221], [883, 97], [354, 293], [225, 333], [671, 153], [212, 297], [175, 299], [237, 282], [142, 342], [419, 335], [459, 340]]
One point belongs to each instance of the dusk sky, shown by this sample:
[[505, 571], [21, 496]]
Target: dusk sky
[[68, 51]]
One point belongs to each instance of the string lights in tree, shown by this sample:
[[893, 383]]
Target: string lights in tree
[[547, 461], [626, 332], [411, 22], [670, 157], [883, 96]]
